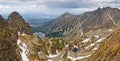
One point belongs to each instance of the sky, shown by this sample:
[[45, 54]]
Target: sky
[[53, 8]]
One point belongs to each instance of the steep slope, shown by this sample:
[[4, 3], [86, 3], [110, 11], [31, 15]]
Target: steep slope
[[8, 43], [16, 21], [100, 18], [3, 23], [69, 26], [109, 50], [61, 25]]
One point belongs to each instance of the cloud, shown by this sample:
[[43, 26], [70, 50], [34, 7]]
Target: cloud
[[54, 7]]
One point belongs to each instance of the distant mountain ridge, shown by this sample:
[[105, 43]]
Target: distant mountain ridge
[[68, 25]]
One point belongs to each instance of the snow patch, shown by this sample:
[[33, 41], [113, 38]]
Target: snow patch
[[81, 34], [70, 57], [77, 58], [75, 46], [53, 56], [67, 45], [50, 60], [23, 46], [110, 30], [92, 44], [50, 42], [100, 40], [81, 57], [86, 40], [95, 48], [18, 33], [96, 36], [42, 55], [23, 34], [57, 51]]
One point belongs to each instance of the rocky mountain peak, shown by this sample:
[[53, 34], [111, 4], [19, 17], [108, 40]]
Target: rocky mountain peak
[[8, 38], [66, 15], [15, 13], [15, 16], [106, 9], [16, 21], [109, 8]]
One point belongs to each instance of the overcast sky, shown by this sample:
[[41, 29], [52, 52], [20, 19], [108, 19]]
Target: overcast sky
[[48, 8]]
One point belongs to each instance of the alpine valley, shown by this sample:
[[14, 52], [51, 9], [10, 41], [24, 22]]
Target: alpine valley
[[96, 35]]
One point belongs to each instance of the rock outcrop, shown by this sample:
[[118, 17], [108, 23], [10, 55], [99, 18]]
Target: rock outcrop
[[9, 50], [16, 21], [8, 43]]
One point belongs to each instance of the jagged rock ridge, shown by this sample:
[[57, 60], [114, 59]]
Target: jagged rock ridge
[[9, 50]]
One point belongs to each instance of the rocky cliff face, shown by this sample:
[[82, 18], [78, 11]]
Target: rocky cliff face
[[9, 50], [2, 22], [8, 47]]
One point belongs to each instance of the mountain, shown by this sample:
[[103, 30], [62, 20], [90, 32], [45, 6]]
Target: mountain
[[9, 29], [73, 26], [16, 20], [87, 32], [2, 22], [61, 24], [94, 34], [109, 50], [8, 46]]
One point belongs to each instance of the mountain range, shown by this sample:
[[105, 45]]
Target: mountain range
[[70, 26], [95, 34], [89, 29]]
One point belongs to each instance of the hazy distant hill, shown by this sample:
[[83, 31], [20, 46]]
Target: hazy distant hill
[[34, 22]]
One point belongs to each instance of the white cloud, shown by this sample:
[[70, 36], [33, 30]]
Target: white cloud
[[4, 7], [102, 0], [97, 1], [54, 7], [81, 10]]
